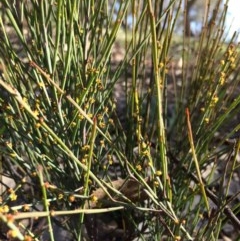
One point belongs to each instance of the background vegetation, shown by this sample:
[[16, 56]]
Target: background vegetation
[[101, 148]]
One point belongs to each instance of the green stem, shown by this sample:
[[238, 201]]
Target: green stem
[[159, 86], [201, 184], [46, 203]]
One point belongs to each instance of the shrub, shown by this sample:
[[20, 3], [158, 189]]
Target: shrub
[[103, 149]]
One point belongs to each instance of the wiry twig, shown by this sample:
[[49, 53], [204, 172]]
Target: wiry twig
[[226, 209]]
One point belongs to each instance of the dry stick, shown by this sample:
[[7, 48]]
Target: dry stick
[[227, 210], [23, 215]]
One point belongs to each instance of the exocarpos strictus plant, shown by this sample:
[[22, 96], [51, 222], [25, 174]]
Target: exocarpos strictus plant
[[115, 125]]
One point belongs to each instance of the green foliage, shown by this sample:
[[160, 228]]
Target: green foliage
[[70, 112]]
